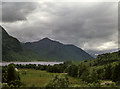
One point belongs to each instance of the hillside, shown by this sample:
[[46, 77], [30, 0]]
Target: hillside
[[12, 49], [107, 58], [43, 50], [9, 43], [53, 50], [103, 60]]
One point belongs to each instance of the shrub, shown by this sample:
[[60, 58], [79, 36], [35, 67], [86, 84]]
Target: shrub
[[58, 82]]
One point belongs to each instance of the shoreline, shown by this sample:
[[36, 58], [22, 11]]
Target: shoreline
[[37, 63]]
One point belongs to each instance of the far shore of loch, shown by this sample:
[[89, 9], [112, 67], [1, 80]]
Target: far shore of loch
[[26, 63]]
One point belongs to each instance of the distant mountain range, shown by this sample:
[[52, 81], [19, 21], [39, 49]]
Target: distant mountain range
[[95, 53], [45, 49]]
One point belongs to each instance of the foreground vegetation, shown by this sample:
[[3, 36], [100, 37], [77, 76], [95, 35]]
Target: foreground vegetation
[[100, 72]]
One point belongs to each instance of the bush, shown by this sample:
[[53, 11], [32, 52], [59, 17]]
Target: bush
[[89, 77], [15, 83], [72, 70], [5, 85], [12, 73], [58, 82]]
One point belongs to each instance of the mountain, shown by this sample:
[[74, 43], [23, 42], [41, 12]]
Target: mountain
[[45, 50], [54, 50], [12, 49], [9, 43]]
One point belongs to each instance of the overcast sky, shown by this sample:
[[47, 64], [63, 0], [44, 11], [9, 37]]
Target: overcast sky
[[88, 25]]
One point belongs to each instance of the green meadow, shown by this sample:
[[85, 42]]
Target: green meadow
[[38, 78]]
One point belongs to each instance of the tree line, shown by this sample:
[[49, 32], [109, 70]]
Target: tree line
[[81, 71]]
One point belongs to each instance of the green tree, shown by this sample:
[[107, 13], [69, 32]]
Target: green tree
[[93, 77], [81, 69], [4, 74], [116, 73], [89, 76], [12, 73], [85, 75], [100, 72], [72, 70], [108, 72]]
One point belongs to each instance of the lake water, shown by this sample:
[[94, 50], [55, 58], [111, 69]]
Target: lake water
[[24, 63]]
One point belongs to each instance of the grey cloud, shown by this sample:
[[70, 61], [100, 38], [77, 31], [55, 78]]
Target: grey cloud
[[71, 23], [16, 11], [98, 24]]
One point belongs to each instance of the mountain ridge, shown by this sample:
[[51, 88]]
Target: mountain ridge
[[44, 49], [55, 47]]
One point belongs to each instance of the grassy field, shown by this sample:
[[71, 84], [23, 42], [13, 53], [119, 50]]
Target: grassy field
[[37, 78]]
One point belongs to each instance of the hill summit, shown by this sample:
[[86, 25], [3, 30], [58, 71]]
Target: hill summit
[[54, 50]]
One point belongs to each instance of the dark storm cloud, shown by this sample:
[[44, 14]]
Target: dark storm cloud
[[87, 25], [15, 11]]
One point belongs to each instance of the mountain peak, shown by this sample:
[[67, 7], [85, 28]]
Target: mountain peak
[[46, 38], [54, 50]]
